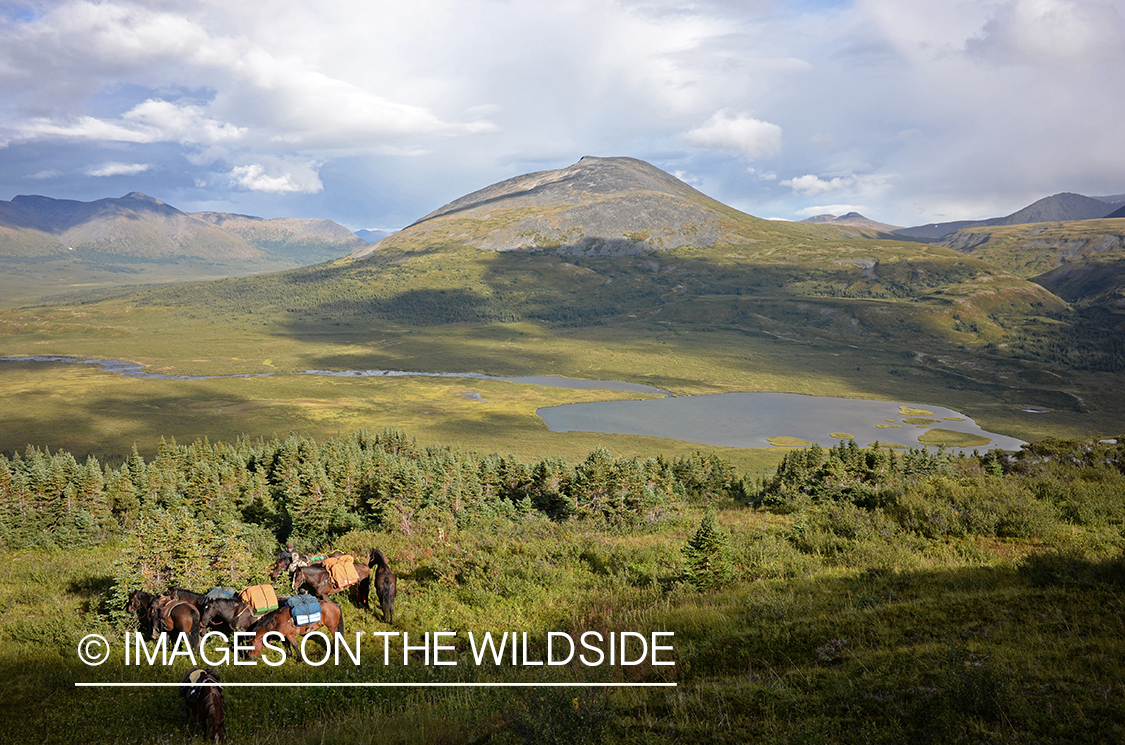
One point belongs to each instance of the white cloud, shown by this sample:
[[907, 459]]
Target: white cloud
[[49, 173], [810, 185], [740, 134], [909, 108], [118, 169], [279, 178], [1042, 32]]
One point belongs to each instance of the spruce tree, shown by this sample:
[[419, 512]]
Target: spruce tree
[[708, 563]]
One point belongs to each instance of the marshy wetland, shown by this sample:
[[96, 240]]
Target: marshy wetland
[[737, 420]]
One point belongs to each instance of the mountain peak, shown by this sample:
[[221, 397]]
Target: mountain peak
[[851, 219], [595, 206], [141, 197]]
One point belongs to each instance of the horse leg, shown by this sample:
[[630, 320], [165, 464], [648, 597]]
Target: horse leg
[[291, 642]]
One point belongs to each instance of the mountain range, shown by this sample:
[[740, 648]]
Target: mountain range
[[1057, 208], [50, 245]]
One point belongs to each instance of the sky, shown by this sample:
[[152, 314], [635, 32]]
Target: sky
[[375, 113]]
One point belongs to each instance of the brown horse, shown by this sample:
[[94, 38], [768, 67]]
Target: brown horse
[[386, 585], [160, 615], [281, 621], [203, 702]]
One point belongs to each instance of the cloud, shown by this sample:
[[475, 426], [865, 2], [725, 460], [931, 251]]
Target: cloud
[[46, 174], [119, 169], [1042, 32], [279, 178], [740, 134], [810, 185], [411, 105], [152, 121]]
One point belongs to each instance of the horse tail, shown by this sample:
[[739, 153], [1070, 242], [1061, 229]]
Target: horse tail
[[389, 610], [387, 599]]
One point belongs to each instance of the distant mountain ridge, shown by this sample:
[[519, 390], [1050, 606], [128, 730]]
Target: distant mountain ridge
[[853, 219], [48, 246], [142, 227], [1056, 208]]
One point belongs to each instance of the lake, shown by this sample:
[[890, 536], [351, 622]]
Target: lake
[[747, 420]]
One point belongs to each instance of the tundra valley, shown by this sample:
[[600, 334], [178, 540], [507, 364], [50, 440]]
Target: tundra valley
[[931, 550]]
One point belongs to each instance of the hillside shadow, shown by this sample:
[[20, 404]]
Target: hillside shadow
[[838, 321]]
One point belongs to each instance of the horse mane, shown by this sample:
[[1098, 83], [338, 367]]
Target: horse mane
[[377, 558], [270, 621]]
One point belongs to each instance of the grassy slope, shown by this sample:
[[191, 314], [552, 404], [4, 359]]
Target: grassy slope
[[886, 642], [1035, 249]]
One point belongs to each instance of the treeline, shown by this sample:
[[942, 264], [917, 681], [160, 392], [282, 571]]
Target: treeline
[[298, 490], [848, 491]]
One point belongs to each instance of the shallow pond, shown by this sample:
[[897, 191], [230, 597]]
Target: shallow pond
[[750, 420], [744, 420]]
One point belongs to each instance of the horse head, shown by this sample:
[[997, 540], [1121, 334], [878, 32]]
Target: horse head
[[283, 562], [139, 600]]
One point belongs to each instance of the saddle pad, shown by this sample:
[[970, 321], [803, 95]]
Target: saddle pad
[[260, 598], [342, 570], [305, 609]]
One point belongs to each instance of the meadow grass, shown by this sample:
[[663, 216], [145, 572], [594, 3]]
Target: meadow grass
[[959, 639]]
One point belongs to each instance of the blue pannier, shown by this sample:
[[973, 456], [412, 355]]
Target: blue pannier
[[305, 609], [221, 593]]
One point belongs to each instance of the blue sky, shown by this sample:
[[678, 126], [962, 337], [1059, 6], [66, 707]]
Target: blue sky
[[374, 113]]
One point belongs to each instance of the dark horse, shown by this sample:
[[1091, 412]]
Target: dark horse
[[203, 702], [164, 614], [385, 585], [281, 621], [237, 615], [286, 558], [318, 581], [195, 598]]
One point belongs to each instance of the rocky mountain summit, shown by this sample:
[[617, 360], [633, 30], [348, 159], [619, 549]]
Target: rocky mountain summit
[[598, 206]]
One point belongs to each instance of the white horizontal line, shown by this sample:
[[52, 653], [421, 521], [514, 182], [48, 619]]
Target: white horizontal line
[[381, 685]]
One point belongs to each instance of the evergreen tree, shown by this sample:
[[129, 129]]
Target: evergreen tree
[[707, 556]]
